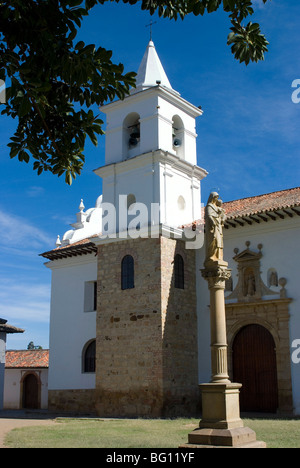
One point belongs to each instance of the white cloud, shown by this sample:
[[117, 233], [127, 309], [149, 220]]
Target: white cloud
[[24, 302], [19, 236], [35, 191]]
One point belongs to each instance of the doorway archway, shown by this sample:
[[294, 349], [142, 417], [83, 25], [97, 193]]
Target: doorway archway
[[31, 397], [255, 367]]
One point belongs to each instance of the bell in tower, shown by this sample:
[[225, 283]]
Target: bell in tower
[[134, 135]]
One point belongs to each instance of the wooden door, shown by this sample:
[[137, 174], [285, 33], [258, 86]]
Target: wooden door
[[30, 392], [254, 366]]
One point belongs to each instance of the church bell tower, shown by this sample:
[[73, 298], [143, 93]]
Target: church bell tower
[[150, 154], [146, 312]]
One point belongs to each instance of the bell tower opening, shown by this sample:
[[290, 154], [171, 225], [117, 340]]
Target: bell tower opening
[[131, 135], [178, 136]]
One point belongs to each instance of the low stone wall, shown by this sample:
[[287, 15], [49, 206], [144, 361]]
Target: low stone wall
[[81, 401]]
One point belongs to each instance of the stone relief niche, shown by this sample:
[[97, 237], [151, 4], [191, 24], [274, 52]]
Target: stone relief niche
[[250, 286]]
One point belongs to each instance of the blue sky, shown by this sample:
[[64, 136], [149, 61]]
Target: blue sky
[[248, 138]]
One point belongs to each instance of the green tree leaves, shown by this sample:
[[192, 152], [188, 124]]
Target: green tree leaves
[[56, 81], [248, 44]]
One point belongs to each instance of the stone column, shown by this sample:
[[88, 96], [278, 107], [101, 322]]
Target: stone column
[[221, 425], [220, 397], [216, 278]]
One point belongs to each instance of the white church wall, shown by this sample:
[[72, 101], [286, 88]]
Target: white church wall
[[70, 326], [12, 388], [152, 178], [280, 241], [143, 182], [180, 199]]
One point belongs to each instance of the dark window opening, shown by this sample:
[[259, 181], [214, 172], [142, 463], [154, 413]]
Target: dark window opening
[[90, 358], [127, 272], [179, 271]]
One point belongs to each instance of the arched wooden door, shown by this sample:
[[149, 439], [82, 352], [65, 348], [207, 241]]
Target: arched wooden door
[[254, 366], [31, 392]]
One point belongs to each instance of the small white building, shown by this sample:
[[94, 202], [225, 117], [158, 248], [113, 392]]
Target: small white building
[[26, 379]]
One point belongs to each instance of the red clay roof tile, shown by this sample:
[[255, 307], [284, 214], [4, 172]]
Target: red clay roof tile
[[261, 203], [27, 358]]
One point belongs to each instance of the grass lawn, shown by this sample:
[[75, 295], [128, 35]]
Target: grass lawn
[[140, 433]]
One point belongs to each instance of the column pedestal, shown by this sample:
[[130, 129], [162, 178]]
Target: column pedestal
[[220, 406], [221, 425]]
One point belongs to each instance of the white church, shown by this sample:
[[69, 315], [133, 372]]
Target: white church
[[130, 320]]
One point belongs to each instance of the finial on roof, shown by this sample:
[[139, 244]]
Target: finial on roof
[[58, 242], [81, 206]]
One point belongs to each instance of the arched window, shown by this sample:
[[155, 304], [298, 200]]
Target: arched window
[[89, 357], [127, 272], [179, 271], [178, 136]]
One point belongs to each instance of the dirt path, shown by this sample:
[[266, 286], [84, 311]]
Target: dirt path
[[7, 424]]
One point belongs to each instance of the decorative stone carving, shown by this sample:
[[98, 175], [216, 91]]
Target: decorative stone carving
[[283, 293], [229, 285], [272, 278], [217, 276], [250, 286]]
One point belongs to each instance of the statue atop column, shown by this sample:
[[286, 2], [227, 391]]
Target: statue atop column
[[214, 223]]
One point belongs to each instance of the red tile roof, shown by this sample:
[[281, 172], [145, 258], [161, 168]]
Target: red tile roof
[[259, 204], [36, 358]]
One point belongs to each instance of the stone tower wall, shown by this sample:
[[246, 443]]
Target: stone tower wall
[[146, 336]]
